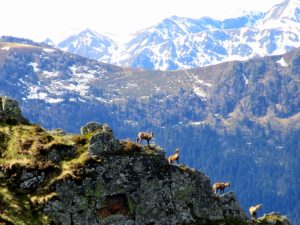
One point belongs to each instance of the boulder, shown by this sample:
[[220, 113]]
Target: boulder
[[103, 142], [90, 127], [10, 111]]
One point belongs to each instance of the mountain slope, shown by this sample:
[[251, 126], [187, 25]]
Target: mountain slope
[[236, 121], [285, 14]]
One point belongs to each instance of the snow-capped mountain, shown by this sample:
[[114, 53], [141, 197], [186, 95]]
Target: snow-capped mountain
[[285, 14], [182, 43], [156, 47], [49, 42], [89, 44]]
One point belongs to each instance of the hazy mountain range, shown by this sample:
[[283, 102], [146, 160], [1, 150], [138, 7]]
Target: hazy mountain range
[[182, 43]]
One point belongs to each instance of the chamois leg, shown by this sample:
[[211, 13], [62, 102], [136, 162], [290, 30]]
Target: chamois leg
[[148, 143], [254, 215]]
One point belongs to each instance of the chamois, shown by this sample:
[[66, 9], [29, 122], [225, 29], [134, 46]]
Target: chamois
[[144, 135], [220, 186], [174, 157], [253, 210]]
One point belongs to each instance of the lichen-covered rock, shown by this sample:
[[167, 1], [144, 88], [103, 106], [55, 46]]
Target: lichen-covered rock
[[26, 178], [139, 189], [30, 180], [103, 142], [90, 127], [10, 111], [231, 208], [273, 219], [56, 152]]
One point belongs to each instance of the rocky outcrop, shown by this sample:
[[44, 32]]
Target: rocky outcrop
[[90, 127], [10, 111], [232, 211], [134, 189], [56, 152], [273, 219], [103, 142], [123, 187]]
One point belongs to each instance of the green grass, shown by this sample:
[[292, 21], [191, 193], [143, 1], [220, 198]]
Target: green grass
[[17, 210], [21, 146]]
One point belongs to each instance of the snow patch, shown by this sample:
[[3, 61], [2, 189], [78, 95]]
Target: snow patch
[[245, 79], [5, 48], [36, 93], [282, 63], [198, 91], [35, 66], [101, 99], [50, 74], [196, 123], [48, 50], [72, 99], [54, 100], [202, 82]]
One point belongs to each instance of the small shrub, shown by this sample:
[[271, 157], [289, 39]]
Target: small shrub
[[26, 144], [129, 146], [79, 139], [44, 138]]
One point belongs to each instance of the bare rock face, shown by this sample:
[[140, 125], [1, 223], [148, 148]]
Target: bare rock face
[[231, 208], [10, 111]]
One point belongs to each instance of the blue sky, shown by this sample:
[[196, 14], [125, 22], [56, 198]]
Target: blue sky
[[39, 19]]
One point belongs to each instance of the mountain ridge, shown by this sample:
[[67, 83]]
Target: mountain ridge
[[183, 43]]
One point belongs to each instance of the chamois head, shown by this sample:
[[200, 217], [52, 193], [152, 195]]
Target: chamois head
[[259, 206], [227, 184]]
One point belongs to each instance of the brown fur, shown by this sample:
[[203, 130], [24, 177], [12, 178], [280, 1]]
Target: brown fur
[[144, 136], [220, 186], [253, 210], [174, 157]]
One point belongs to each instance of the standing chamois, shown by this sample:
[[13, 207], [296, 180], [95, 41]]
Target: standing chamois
[[220, 186], [144, 136], [174, 157], [253, 210]]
